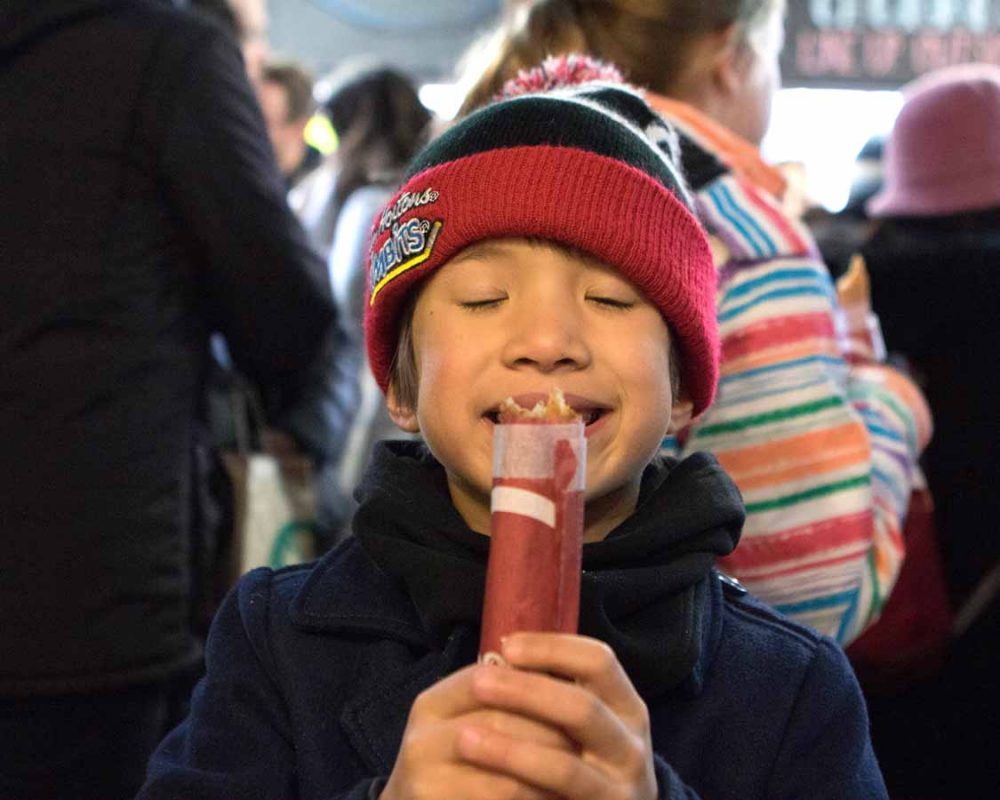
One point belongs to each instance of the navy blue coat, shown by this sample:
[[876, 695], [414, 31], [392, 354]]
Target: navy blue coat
[[311, 672]]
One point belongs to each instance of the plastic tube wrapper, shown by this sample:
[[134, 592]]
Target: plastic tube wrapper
[[536, 529]]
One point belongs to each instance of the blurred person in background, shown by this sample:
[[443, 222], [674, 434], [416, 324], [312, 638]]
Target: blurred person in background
[[142, 210], [252, 24], [231, 397], [935, 276], [219, 10], [380, 124], [247, 21], [285, 92], [841, 235], [821, 439]]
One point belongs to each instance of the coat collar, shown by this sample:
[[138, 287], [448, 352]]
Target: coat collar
[[374, 604], [347, 595], [375, 716]]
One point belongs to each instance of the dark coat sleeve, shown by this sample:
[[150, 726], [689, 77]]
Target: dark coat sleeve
[[669, 784], [826, 752], [267, 290], [237, 738]]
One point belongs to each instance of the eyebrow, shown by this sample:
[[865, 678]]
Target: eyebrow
[[480, 250], [496, 248]]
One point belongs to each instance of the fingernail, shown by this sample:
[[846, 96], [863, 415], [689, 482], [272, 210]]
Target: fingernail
[[510, 647]]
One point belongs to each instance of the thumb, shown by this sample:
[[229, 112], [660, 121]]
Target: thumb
[[853, 287]]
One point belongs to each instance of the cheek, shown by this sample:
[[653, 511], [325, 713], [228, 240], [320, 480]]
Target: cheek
[[649, 375], [440, 364]]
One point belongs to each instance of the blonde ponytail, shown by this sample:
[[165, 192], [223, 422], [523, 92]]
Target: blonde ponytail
[[650, 41], [534, 31]]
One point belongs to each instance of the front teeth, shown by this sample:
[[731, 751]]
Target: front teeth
[[588, 417]]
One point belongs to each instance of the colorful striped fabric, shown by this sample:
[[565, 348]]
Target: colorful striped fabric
[[823, 450]]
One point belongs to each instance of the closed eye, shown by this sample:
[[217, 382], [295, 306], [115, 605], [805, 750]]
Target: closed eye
[[482, 305], [611, 302]]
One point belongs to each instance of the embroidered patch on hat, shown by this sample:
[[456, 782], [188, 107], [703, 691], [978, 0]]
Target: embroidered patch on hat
[[409, 243]]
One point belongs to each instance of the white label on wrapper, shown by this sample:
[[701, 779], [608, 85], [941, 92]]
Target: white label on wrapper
[[526, 450], [526, 503]]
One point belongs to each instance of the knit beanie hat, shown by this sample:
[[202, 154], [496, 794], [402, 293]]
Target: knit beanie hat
[[943, 154], [589, 166]]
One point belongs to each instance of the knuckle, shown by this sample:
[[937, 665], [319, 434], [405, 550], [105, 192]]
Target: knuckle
[[410, 756], [582, 713], [642, 719], [422, 702], [591, 710], [422, 786], [604, 658], [634, 760], [567, 772], [503, 788], [517, 791]]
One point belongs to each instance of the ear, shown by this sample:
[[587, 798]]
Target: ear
[[404, 417], [680, 412], [729, 61]]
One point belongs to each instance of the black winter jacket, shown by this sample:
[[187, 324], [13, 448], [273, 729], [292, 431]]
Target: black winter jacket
[[935, 286], [141, 209]]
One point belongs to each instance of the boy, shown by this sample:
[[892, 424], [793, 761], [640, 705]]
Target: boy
[[543, 241]]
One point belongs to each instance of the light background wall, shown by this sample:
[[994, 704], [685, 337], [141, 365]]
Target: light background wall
[[422, 37], [822, 129]]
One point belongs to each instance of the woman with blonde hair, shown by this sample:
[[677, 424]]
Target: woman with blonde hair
[[821, 438]]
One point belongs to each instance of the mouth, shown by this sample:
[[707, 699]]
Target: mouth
[[590, 412]]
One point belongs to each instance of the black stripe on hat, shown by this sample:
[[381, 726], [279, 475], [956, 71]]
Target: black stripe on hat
[[603, 119]]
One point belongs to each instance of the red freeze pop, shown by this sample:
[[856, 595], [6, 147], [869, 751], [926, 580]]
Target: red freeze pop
[[536, 527]]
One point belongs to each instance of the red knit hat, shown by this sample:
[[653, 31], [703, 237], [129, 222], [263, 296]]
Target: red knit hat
[[591, 167]]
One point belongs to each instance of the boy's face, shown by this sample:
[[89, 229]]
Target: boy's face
[[515, 318]]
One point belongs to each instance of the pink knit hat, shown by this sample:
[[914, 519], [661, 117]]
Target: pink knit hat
[[943, 154]]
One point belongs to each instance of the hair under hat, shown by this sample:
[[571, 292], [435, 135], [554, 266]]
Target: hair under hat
[[943, 154], [588, 166]]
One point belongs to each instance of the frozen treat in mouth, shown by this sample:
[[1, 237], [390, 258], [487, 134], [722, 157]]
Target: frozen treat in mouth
[[553, 409]]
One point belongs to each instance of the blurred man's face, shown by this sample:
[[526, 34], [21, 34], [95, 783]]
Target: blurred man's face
[[287, 136], [252, 18]]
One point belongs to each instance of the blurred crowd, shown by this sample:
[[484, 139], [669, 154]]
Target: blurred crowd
[[186, 255]]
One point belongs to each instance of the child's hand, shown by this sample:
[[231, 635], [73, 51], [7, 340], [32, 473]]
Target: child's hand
[[854, 287], [429, 767], [592, 701], [858, 330]]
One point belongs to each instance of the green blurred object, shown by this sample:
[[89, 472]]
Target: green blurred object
[[320, 134], [294, 543]]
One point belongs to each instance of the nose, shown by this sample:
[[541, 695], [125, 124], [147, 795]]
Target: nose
[[548, 338]]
